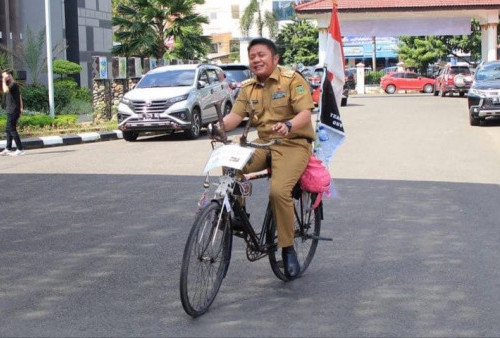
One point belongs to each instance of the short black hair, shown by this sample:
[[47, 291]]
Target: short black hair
[[8, 71], [263, 41]]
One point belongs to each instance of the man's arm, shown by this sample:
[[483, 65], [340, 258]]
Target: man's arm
[[21, 105], [231, 121]]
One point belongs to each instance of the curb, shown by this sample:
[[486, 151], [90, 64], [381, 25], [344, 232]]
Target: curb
[[54, 141]]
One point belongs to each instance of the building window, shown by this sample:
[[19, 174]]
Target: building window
[[234, 46], [214, 48], [235, 11], [283, 10]]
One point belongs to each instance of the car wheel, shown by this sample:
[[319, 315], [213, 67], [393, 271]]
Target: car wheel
[[130, 136], [343, 102], [428, 88], [390, 89], [436, 92], [474, 121], [442, 93], [194, 132], [227, 109], [462, 94]]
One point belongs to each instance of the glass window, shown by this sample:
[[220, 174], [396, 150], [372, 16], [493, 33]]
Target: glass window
[[411, 76], [235, 11], [212, 75], [171, 78], [203, 76]]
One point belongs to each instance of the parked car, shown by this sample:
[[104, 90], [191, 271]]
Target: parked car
[[174, 98], [453, 79], [315, 82], [484, 94], [235, 75], [393, 82]]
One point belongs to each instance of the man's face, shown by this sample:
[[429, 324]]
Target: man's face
[[262, 61]]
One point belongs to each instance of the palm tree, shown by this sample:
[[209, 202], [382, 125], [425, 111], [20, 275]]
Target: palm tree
[[252, 15], [144, 25]]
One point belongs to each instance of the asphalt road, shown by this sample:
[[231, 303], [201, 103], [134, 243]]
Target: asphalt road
[[91, 236]]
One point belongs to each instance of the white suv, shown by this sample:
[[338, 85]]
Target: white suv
[[174, 98]]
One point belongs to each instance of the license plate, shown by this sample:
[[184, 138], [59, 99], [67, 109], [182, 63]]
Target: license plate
[[151, 116]]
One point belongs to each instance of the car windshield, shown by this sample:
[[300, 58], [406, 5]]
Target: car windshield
[[237, 75], [488, 73], [170, 78]]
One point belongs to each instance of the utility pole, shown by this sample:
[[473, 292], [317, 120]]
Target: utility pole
[[50, 75], [374, 53]]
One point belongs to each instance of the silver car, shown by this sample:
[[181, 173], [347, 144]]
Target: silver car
[[174, 98]]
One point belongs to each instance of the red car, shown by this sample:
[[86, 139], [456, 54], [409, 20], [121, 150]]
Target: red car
[[406, 80], [453, 79]]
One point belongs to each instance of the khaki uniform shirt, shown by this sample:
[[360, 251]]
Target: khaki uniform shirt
[[283, 95]]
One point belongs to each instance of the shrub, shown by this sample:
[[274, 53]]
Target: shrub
[[77, 106], [373, 77], [65, 67], [37, 120], [83, 94], [63, 93], [35, 97], [65, 121]]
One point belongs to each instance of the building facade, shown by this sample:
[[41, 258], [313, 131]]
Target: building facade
[[84, 26]]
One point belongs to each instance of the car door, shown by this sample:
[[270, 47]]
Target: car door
[[205, 96], [216, 92], [411, 81]]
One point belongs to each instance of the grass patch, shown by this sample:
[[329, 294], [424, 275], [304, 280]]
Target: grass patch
[[36, 125]]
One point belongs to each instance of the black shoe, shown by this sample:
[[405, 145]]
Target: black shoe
[[290, 263]]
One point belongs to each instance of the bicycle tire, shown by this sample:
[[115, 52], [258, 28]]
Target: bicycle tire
[[307, 230], [205, 260]]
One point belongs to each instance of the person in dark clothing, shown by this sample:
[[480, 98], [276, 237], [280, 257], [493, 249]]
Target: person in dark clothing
[[14, 105]]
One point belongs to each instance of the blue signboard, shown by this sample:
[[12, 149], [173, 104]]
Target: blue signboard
[[360, 47]]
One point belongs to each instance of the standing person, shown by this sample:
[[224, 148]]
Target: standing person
[[283, 104], [14, 105]]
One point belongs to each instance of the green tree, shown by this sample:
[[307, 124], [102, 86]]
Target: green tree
[[298, 42], [65, 67], [253, 15], [419, 52], [143, 25], [30, 53]]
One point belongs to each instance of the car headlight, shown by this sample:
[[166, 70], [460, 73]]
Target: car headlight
[[128, 103], [178, 99], [477, 92]]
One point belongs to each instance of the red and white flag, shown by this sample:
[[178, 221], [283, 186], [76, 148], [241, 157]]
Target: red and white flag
[[330, 129], [334, 59]]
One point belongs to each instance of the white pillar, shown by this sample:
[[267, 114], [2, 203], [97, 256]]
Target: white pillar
[[484, 42], [322, 38], [360, 78], [492, 41], [243, 51]]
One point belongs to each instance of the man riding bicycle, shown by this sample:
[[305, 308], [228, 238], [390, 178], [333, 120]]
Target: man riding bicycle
[[282, 103]]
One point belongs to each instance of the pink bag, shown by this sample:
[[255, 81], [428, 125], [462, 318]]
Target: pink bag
[[315, 178]]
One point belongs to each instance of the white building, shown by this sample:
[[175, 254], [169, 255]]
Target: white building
[[224, 27]]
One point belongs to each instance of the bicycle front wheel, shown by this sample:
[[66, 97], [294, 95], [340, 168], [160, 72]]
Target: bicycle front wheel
[[307, 228], [205, 261]]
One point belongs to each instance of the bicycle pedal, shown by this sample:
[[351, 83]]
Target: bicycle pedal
[[320, 238]]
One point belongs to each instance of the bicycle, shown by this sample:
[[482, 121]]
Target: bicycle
[[207, 253]]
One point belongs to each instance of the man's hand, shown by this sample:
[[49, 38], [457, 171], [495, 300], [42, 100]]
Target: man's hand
[[281, 128], [214, 132]]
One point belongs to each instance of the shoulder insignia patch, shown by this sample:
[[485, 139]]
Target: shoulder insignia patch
[[247, 82], [287, 72]]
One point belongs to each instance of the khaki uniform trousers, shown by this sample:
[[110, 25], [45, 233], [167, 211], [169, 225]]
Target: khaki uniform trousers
[[289, 160]]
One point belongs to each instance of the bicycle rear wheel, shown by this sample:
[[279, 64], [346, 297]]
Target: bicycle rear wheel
[[307, 229], [205, 261]]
